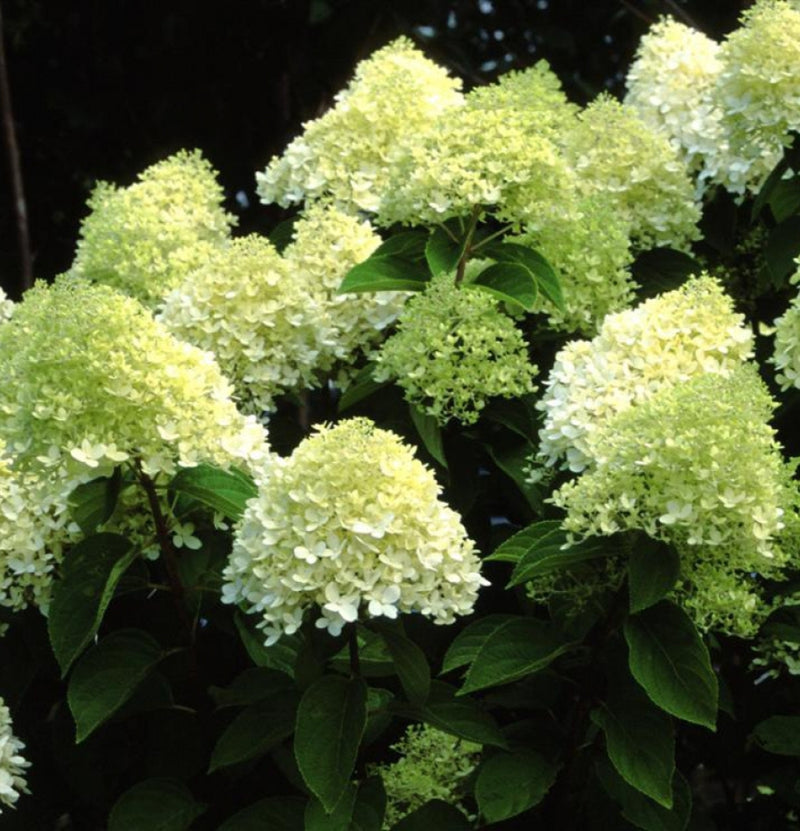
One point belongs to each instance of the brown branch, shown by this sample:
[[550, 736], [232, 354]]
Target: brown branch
[[20, 208]]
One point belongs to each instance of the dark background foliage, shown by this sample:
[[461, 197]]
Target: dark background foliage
[[102, 89]]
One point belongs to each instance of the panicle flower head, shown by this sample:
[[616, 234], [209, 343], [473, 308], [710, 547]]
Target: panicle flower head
[[432, 765], [696, 464], [670, 84], [351, 523], [454, 350], [666, 340], [90, 379], [145, 238], [786, 353], [12, 764], [614, 152], [346, 153]]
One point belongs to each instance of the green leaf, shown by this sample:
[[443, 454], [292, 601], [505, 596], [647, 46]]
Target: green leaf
[[529, 539], [785, 199], [514, 461], [361, 387], [282, 235], [430, 432], [551, 555], [464, 718], [513, 650], [653, 569], [670, 661], [517, 414], [408, 245], [255, 730], [779, 734], [226, 491], [273, 813], [642, 811], [93, 503], [89, 575], [464, 649], [157, 805], [370, 806], [338, 818], [108, 675], [442, 251], [510, 783], [547, 281], [662, 269], [410, 663], [640, 739], [508, 282], [330, 723], [396, 265], [281, 656], [434, 816], [252, 685]]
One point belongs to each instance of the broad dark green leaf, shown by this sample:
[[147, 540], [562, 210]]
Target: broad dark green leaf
[[468, 642], [779, 734], [282, 234], [155, 805], [662, 269], [653, 569], [107, 675], [434, 816], [554, 554], [443, 251], [643, 812], [361, 387], [330, 722], [430, 432], [785, 199], [281, 656], [92, 503], [409, 245], [640, 740], [255, 730], [547, 281], [384, 273], [781, 250], [464, 718], [253, 685], [514, 461], [370, 806], [510, 783], [529, 539], [226, 491], [517, 414], [513, 650], [671, 662], [410, 663], [509, 282], [273, 813], [89, 575], [337, 818]]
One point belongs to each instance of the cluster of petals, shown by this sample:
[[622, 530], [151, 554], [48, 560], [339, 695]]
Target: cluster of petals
[[454, 350], [12, 764], [350, 524], [666, 340], [145, 238], [786, 350], [345, 154]]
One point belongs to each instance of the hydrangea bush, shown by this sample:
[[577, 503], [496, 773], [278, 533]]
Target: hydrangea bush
[[468, 501]]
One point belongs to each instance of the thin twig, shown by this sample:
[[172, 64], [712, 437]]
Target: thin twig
[[20, 207]]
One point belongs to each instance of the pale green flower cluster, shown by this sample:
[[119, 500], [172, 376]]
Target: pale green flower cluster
[[697, 465], [350, 523], [432, 765], [90, 380], [454, 350], [12, 764], [786, 351], [145, 238], [347, 152], [666, 340], [275, 322], [614, 152]]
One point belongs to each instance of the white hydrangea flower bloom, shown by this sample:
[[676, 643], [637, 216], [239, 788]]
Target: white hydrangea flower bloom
[[12, 764], [353, 524]]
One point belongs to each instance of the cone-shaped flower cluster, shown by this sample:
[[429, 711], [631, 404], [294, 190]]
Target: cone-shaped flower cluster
[[12, 765], [353, 524]]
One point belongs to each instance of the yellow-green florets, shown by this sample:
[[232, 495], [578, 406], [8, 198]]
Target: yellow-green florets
[[345, 154], [12, 764], [454, 350], [145, 238], [786, 353], [351, 523]]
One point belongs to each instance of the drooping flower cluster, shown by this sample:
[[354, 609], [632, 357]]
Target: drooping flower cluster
[[697, 465], [666, 340], [12, 764], [615, 152], [346, 153], [145, 238], [353, 524], [275, 322], [90, 380], [786, 353], [432, 765], [454, 350]]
